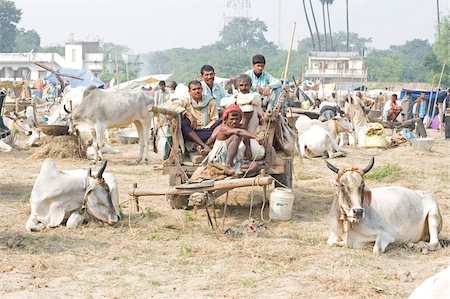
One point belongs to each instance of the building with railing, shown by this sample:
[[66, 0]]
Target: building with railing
[[332, 67], [78, 55]]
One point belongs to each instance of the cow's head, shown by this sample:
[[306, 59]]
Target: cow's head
[[97, 198], [343, 124], [351, 190]]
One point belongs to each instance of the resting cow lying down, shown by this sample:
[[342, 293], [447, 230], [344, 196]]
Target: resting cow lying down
[[58, 196], [384, 215]]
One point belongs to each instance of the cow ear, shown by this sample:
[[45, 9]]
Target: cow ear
[[367, 196]]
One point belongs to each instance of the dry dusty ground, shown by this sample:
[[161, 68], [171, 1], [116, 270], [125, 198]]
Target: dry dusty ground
[[173, 253]]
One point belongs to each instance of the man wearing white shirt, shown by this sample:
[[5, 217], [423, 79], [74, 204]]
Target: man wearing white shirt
[[162, 95]]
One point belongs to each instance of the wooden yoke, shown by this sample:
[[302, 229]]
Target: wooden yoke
[[174, 125]]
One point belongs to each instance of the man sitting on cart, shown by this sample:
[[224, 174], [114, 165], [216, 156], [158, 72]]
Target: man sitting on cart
[[250, 104], [227, 137], [199, 116]]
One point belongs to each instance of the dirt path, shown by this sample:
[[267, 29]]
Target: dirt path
[[173, 253]]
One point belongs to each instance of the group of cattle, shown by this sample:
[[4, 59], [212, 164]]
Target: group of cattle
[[358, 215]]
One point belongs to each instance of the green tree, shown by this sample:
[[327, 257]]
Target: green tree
[[9, 18], [242, 33], [441, 49], [309, 26], [357, 43], [27, 40], [113, 53], [315, 25], [384, 66], [53, 49]]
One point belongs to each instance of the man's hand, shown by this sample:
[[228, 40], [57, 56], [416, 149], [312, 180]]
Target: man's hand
[[259, 89], [260, 139], [266, 91]]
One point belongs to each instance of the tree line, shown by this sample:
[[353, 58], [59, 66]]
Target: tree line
[[241, 38]]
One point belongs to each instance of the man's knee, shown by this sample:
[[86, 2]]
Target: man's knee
[[234, 138]]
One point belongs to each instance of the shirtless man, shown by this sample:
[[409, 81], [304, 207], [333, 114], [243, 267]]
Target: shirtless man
[[227, 137]]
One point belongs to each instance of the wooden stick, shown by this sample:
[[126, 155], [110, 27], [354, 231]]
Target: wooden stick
[[218, 185], [437, 91], [289, 54]]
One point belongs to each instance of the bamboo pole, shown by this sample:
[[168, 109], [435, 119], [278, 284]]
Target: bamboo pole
[[218, 185], [437, 91], [429, 102], [289, 54]]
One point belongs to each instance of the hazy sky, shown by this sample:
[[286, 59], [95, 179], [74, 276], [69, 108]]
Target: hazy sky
[[150, 25]]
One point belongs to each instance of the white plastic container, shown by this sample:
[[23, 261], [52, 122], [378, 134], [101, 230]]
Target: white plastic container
[[281, 202]]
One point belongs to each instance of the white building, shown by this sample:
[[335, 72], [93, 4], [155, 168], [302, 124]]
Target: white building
[[78, 55], [332, 67]]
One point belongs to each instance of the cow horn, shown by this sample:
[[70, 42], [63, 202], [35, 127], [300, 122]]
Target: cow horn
[[369, 166], [65, 109], [89, 174], [332, 167], [102, 169]]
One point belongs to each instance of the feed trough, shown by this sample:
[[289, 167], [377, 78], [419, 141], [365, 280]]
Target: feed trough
[[55, 130]]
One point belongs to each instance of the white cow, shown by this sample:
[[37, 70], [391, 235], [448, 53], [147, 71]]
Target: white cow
[[437, 286], [384, 215], [13, 124], [110, 180], [59, 196], [319, 140], [100, 110], [70, 100]]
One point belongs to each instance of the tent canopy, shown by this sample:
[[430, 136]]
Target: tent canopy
[[88, 77], [151, 80]]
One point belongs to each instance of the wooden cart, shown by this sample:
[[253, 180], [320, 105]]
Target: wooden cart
[[180, 165]]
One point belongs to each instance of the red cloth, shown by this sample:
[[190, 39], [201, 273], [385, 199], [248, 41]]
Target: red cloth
[[232, 108]]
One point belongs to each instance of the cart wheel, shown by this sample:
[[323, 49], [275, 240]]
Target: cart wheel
[[177, 201]]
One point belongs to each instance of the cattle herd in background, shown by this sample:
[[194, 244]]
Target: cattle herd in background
[[358, 215]]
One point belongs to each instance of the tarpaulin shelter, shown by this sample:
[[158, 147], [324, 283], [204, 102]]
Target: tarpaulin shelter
[[415, 93], [88, 77], [151, 80]]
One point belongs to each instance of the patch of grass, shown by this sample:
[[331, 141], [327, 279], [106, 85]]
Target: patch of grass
[[155, 283], [185, 250], [385, 171], [25, 198], [249, 283], [443, 176], [303, 176], [420, 174], [150, 213], [186, 216]]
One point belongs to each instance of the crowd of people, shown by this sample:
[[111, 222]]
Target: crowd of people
[[224, 127]]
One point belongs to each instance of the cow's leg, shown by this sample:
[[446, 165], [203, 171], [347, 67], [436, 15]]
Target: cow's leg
[[434, 225], [100, 138], [331, 151], [382, 241], [143, 132], [75, 219], [334, 240], [33, 224]]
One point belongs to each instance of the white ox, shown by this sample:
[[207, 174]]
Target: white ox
[[70, 100], [59, 196], [102, 110], [14, 124], [437, 286], [384, 215], [318, 139]]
